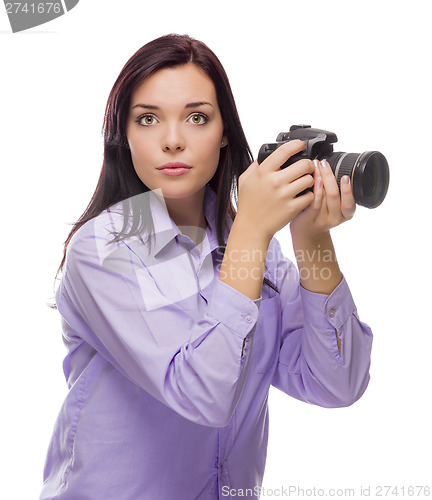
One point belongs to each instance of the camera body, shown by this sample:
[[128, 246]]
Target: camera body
[[319, 144], [368, 171]]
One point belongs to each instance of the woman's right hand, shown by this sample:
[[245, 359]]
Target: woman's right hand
[[267, 195]]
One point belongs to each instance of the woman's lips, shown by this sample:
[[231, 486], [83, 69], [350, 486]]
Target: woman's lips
[[174, 168]]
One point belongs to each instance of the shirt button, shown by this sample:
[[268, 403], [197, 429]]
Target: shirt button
[[332, 312], [248, 319]]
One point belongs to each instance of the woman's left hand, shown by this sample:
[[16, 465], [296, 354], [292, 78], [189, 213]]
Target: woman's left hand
[[329, 208]]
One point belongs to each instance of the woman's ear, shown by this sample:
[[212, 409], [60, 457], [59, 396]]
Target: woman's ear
[[224, 141]]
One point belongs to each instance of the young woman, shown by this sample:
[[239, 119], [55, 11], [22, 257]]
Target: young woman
[[179, 311]]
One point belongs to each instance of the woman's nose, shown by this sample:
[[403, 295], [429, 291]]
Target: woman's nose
[[173, 140]]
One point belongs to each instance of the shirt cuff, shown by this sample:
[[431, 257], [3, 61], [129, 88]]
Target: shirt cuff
[[230, 307], [336, 307]]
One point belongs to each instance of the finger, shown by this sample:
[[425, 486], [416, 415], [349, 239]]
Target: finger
[[331, 190], [301, 202], [320, 204], [318, 189], [301, 184], [296, 170], [282, 154], [348, 204]]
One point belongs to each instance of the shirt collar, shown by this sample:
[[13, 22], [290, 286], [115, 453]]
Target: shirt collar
[[165, 229]]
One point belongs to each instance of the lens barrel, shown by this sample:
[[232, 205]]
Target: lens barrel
[[369, 174]]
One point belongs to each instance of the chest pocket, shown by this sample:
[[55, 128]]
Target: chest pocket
[[267, 335]]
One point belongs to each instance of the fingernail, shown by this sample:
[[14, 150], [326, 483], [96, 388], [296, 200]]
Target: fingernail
[[345, 179], [316, 162], [324, 163]]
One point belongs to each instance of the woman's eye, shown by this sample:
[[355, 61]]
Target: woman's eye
[[198, 119], [146, 120]]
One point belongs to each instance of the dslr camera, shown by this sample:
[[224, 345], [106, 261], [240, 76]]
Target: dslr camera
[[368, 171]]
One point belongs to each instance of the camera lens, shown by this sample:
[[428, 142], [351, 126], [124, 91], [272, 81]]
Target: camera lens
[[369, 174]]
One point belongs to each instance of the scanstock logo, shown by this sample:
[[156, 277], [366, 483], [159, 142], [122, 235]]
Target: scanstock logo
[[26, 15]]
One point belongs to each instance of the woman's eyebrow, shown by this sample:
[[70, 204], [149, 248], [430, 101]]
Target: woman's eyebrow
[[196, 104], [146, 106], [189, 105]]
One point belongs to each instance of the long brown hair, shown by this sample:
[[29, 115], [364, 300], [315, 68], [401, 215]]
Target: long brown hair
[[118, 180]]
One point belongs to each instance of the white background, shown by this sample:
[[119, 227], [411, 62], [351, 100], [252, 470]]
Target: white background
[[360, 69]]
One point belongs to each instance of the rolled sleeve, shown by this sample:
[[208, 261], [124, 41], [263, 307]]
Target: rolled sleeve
[[233, 309], [336, 308], [310, 367]]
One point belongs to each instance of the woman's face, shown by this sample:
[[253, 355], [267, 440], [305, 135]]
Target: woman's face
[[175, 131]]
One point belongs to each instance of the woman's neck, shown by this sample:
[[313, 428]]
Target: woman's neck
[[188, 215]]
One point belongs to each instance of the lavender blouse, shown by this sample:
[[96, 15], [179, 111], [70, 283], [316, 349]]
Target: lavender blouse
[[169, 368]]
